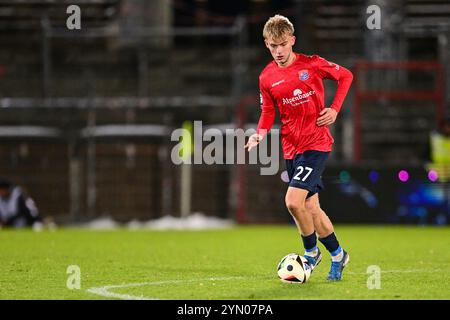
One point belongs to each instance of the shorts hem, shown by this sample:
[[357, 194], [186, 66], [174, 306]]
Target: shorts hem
[[303, 187]]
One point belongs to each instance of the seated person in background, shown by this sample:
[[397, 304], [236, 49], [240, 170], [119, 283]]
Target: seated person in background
[[16, 208]]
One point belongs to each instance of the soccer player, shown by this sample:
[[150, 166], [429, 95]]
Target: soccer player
[[294, 82]]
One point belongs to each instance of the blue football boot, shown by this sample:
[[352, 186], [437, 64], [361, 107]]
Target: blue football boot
[[314, 261], [335, 273]]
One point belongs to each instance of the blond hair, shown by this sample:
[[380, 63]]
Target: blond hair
[[277, 27]]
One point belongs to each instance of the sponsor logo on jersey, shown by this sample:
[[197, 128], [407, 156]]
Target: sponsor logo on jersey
[[303, 75], [298, 97], [277, 83]]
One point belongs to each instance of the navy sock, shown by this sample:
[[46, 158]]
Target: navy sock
[[330, 242], [309, 242]]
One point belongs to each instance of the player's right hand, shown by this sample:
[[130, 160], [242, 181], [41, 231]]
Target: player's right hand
[[253, 141]]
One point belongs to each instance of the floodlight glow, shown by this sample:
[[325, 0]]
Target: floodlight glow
[[344, 176], [403, 175], [433, 175], [284, 176], [374, 176]]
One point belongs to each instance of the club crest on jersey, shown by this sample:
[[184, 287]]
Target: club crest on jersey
[[303, 75]]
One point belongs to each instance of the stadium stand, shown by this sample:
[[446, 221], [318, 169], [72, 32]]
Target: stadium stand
[[126, 71]]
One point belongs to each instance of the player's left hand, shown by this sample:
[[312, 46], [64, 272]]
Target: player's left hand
[[327, 117]]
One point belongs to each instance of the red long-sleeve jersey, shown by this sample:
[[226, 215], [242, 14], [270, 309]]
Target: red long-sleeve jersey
[[298, 92]]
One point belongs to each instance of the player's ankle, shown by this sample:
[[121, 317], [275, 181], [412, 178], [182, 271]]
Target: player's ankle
[[313, 252], [337, 255]]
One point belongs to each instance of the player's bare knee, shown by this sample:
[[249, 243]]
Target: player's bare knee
[[312, 208], [295, 207]]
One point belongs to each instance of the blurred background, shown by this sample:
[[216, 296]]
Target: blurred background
[[86, 114]]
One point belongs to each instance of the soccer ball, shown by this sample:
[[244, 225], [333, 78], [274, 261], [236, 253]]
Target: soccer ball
[[294, 268]]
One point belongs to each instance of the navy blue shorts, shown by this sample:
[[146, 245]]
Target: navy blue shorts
[[305, 171]]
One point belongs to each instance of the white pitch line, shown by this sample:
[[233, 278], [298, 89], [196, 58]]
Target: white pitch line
[[104, 291]]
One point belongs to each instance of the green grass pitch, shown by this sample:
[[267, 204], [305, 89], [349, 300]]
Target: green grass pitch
[[237, 263]]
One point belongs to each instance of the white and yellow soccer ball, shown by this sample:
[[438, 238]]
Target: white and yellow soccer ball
[[294, 268]]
